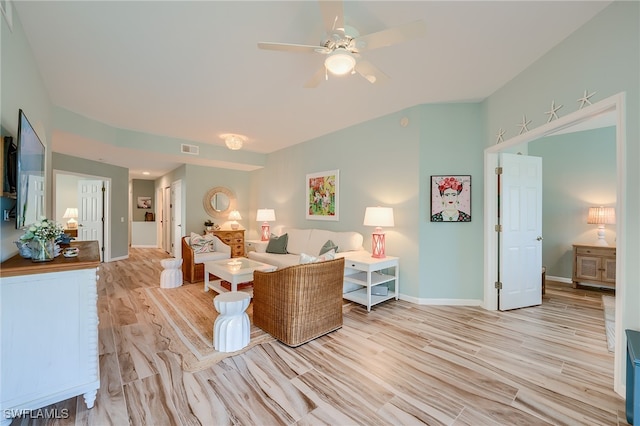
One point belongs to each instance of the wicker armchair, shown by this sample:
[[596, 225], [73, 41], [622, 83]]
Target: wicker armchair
[[299, 303]]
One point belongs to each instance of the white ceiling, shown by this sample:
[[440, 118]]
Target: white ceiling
[[192, 70]]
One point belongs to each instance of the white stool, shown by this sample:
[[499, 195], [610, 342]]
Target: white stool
[[171, 277], [232, 328]]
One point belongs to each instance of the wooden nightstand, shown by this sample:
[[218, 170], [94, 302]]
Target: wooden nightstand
[[594, 264], [232, 238]]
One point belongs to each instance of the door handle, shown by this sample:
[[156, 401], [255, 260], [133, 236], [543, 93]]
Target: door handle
[[539, 238]]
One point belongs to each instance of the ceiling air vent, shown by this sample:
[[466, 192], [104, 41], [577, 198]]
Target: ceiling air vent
[[189, 149]]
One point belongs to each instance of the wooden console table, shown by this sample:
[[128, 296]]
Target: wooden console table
[[49, 330], [232, 238], [594, 264]]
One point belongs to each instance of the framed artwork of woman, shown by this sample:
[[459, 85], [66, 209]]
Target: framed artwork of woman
[[451, 198]]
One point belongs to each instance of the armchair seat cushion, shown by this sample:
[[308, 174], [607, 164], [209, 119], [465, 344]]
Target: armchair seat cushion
[[208, 256]]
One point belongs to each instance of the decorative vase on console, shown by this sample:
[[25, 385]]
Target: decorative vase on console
[[23, 249], [42, 250], [40, 237]]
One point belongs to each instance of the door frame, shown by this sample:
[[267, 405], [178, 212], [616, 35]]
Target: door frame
[[106, 206], [615, 103]]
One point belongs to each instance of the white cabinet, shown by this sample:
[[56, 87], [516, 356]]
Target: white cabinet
[[369, 272], [49, 326]]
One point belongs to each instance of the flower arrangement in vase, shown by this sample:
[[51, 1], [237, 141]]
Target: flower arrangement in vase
[[40, 237]]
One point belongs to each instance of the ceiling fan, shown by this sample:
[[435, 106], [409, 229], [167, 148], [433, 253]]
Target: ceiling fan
[[343, 45]]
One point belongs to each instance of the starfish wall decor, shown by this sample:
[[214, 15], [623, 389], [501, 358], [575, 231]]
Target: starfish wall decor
[[584, 100], [553, 112], [524, 124]]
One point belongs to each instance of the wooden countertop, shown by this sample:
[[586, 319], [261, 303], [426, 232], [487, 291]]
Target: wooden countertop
[[88, 257]]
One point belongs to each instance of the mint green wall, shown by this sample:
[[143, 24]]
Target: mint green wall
[[451, 254], [119, 201], [68, 121], [142, 188], [579, 171], [198, 180], [21, 88], [603, 56], [379, 166]]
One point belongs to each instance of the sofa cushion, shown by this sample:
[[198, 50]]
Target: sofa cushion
[[328, 246], [202, 243], [277, 260], [306, 258], [208, 256], [298, 241], [278, 245]]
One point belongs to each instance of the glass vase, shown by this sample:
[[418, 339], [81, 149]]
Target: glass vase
[[42, 250]]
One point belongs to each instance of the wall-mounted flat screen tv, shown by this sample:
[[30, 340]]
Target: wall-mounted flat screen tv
[[31, 185]]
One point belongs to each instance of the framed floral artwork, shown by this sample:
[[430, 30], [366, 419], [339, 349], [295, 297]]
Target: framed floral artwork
[[451, 198], [322, 195]]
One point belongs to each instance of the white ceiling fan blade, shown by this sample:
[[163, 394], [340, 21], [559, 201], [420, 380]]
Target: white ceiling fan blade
[[316, 79], [287, 47], [391, 36], [371, 73], [332, 15]]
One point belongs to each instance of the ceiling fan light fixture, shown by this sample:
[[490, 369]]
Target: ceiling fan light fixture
[[340, 62], [234, 142]]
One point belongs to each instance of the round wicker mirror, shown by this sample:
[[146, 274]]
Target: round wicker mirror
[[218, 202]]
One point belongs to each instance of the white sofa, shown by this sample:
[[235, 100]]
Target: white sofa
[[308, 241]]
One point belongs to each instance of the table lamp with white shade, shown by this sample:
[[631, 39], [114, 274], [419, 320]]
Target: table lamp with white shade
[[71, 213], [234, 217], [601, 216], [265, 216], [378, 217]]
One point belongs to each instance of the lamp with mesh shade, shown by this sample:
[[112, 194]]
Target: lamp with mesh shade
[[601, 216]]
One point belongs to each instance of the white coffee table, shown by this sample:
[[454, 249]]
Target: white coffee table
[[236, 270]]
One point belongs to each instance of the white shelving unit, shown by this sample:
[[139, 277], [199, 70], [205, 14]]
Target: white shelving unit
[[369, 272]]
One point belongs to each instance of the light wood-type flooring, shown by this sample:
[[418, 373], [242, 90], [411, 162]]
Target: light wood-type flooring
[[400, 364]]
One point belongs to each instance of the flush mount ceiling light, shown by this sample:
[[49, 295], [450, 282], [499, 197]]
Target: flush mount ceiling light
[[340, 62], [234, 142]]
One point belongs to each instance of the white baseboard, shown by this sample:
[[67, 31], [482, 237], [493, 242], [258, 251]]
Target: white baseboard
[[441, 302], [114, 259], [559, 279]]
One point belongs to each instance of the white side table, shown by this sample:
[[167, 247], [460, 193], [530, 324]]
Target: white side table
[[231, 329], [369, 272], [171, 277]]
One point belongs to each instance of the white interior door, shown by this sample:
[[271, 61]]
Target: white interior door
[[90, 212], [176, 218], [520, 241], [166, 220], [35, 199]]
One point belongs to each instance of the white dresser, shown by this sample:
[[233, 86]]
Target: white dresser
[[49, 331]]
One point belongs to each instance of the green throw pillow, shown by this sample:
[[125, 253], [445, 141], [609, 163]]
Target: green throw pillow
[[278, 245], [328, 246]]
